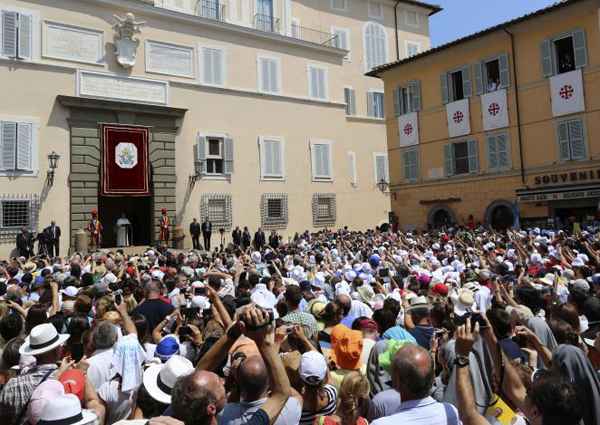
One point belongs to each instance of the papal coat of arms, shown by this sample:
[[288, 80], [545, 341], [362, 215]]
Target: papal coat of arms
[[126, 155], [126, 43]]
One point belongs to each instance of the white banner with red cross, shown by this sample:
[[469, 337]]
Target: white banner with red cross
[[494, 110], [459, 123], [408, 126], [567, 93]]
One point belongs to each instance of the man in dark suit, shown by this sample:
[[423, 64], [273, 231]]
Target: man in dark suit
[[25, 243], [236, 236], [206, 233], [195, 232], [259, 239], [53, 239]]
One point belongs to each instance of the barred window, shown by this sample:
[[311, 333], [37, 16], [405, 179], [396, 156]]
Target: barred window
[[324, 209], [217, 207], [274, 210], [16, 212]]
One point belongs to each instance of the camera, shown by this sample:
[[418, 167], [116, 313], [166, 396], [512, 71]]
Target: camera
[[190, 313], [200, 290], [254, 328], [118, 294]]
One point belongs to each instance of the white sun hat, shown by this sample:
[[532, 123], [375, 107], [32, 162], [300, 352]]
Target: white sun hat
[[66, 410], [43, 338], [159, 379]]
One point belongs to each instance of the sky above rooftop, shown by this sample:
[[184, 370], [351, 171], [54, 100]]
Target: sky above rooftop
[[463, 17]]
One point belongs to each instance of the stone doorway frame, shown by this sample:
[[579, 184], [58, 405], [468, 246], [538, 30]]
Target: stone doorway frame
[[85, 117]]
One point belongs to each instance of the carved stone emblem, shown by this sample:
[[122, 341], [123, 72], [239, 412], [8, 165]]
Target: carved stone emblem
[[126, 43]]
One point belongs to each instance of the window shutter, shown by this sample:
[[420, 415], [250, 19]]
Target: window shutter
[[493, 161], [276, 153], [503, 151], [449, 160], [473, 156], [207, 66], [414, 94], [228, 156], [564, 153], [352, 168], [273, 76], [217, 70], [265, 158], [415, 165], [407, 167], [264, 75], [504, 71], [9, 145], [579, 47], [576, 139], [547, 62], [410, 165], [9, 34], [313, 82], [478, 77], [370, 104], [200, 155], [322, 87], [466, 77], [25, 27], [352, 102], [317, 161], [444, 85], [24, 146], [326, 160], [398, 101]]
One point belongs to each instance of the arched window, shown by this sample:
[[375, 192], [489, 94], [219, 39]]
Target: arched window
[[375, 45]]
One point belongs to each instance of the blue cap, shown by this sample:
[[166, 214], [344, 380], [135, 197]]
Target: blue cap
[[39, 281], [305, 285], [166, 348], [374, 260]]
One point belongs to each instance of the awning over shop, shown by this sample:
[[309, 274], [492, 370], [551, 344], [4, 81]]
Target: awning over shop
[[559, 193]]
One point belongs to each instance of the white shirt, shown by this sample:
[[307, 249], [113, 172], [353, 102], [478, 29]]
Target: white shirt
[[360, 309], [426, 411], [483, 299], [99, 371]]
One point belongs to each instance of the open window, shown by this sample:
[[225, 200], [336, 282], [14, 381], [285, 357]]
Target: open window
[[461, 158], [214, 155], [492, 75], [565, 55], [456, 85]]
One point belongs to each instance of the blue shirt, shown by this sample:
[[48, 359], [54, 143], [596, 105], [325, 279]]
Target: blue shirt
[[425, 411]]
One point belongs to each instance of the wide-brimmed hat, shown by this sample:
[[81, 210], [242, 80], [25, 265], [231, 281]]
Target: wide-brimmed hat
[[29, 267], [366, 293], [43, 338], [420, 302], [464, 303], [159, 379], [65, 410]]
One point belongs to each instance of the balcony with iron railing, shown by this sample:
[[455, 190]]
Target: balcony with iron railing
[[267, 23], [314, 36], [211, 9]]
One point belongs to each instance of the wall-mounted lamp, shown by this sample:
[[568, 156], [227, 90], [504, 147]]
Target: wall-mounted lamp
[[382, 185], [53, 158]]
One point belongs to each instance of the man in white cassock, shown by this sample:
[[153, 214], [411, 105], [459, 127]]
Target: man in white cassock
[[123, 231]]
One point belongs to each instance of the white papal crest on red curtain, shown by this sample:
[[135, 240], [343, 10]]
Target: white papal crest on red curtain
[[126, 155]]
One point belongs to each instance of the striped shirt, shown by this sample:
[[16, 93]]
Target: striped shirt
[[308, 418]]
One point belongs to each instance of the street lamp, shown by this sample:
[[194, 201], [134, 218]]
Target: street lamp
[[382, 185], [53, 158]]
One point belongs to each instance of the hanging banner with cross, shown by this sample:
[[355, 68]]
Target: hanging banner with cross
[[408, 127], [567, 93], [459, 122], [494, 110]]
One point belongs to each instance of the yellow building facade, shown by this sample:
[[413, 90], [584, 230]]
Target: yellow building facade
[[498, 125]]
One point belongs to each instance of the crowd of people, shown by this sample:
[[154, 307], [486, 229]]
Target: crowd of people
[[342, 327]]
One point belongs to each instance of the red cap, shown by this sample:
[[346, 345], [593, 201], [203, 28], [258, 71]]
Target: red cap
[[440, 289], [94, 211], [368, 324], [164, 210], [74, 382]]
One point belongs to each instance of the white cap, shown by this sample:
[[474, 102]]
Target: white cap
[[313, 368]]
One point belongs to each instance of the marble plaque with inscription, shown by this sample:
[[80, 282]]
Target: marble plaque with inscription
[[169, 59], [92, 84], [72, 43]]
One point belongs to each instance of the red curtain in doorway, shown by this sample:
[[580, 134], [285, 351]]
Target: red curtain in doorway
[[125, 169]]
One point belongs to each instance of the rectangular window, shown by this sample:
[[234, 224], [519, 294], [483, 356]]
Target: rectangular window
[[16, 146], [296, 28], [339, 4], [375, 104], [407, 99], [341, 40], [412, 48], [410, 158], [456, 85], [217, 207], [375, 9], [271, 157], [213, 66], [17, 34], [461, 158], [274, 210], [317, 82], [412, 18], [350, 99], [16, 214], [381, 167], [498, 152], [210, 9], [169, 59], [571, 140], [492, 75], [324, 209], [564, 53], [213, 155], [321, 160], [269, 75]]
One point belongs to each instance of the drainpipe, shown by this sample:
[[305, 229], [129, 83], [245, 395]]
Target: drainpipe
[[396, 29], [516, 84]]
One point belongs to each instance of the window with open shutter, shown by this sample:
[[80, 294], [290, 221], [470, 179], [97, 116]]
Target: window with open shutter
[[17, 35], [24, 146], [547, 59], [25, 36], [9, 33], [478, 77], [504, 71], [466, 81], [213, 66], [472, 150], [564, 151], [414, 95], [200, 155], [350, 99], [448, 160], [228, 156], [579, 48], [8, 145]]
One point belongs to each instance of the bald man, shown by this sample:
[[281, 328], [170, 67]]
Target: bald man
[[198, 398], [252, 378], [412, 377]]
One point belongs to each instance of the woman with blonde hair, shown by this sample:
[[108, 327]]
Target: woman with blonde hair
[[353, 395]]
